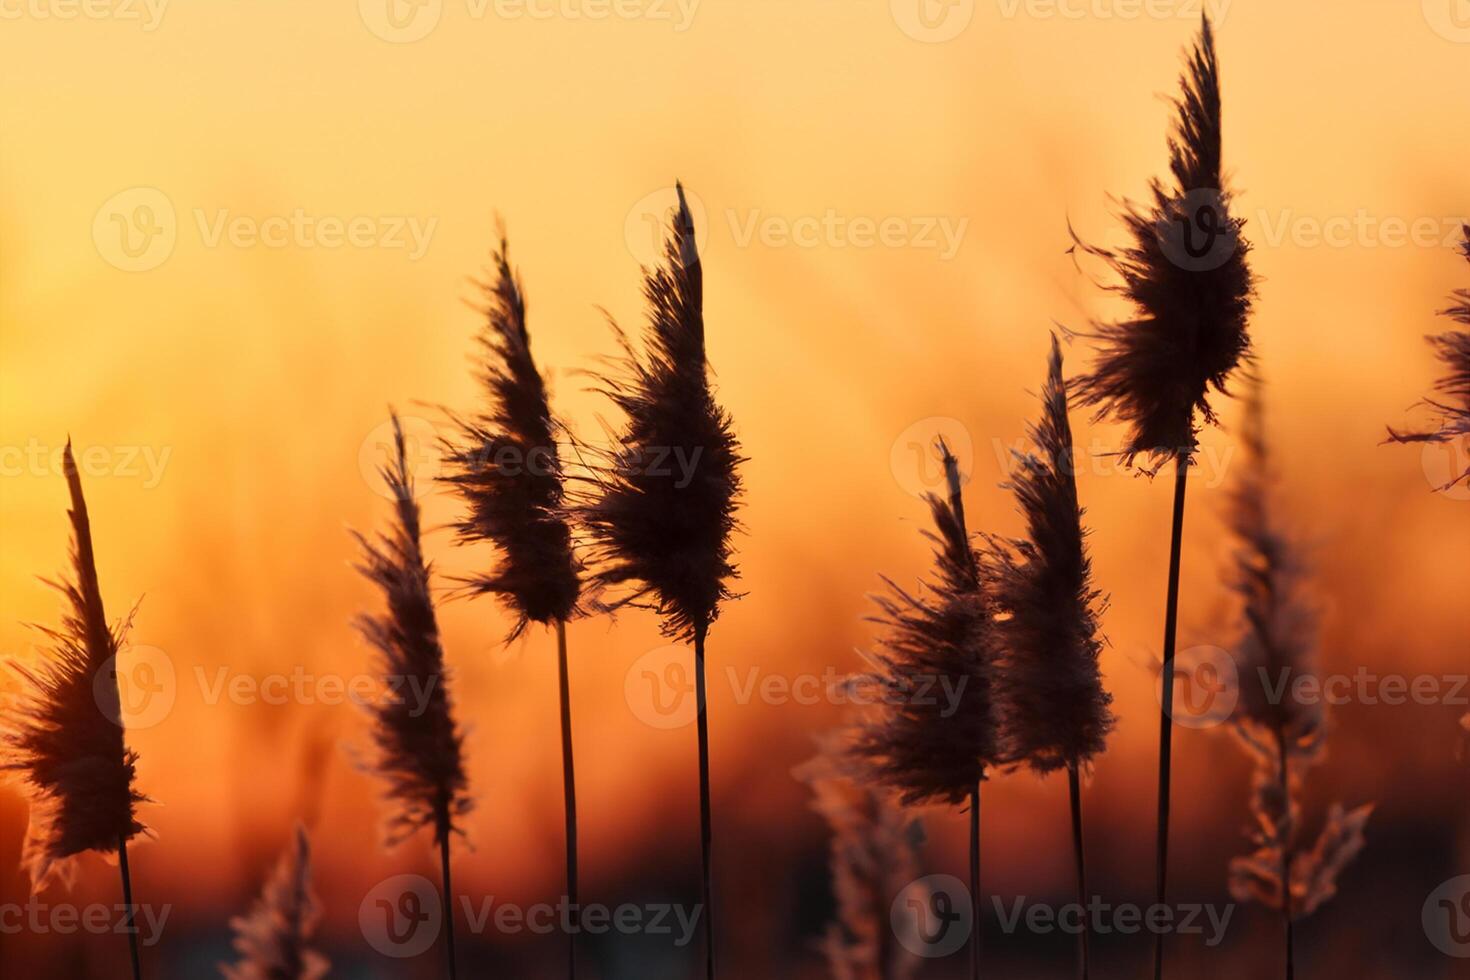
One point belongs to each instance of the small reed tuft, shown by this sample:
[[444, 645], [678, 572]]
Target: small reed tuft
[[419, 747], [66, 736], [1453, 348], [1186, 275], [874, 856], [274, 940], [1057, 712], [505, 466], [663, 509]]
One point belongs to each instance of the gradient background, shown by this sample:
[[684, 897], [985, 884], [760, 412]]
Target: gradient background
[[264, 373]]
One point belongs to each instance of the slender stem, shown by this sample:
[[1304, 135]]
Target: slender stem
[[130, 912], [705, 835], [569, 792], [1166, 716], [975, 882], [448, 888], [1084, 953], [1286, 852]]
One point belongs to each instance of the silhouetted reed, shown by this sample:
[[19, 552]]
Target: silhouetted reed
[[1453, 348], [874, 857], [662, 510], [507, 469], [66, 737], [419, 746], [926, 747], [274, 940], [1056, 711], [1283, 733], [1186, 276]]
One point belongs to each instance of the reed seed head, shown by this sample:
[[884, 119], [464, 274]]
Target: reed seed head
[[274, 940]]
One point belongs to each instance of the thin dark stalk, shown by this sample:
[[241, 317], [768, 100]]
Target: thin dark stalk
[[1166, 715], [1283, 757], [569, 792], [448, 904], [975, 883], [705, 834], [1084, 952], [127, 888]]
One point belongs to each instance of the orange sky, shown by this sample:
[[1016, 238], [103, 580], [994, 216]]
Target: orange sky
[[235, 381]]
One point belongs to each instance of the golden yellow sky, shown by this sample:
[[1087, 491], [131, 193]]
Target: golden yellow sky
[[211, 274]]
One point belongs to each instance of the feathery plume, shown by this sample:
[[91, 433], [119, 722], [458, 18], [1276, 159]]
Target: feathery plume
[[941, 637], [506, 468], [274, 940], [1186, 275], [1282, 734], [1056, 709], [928, 749], [66, 737], [1453, 348], [420, 751], [664, 509], [662, 513], [874, 856]]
